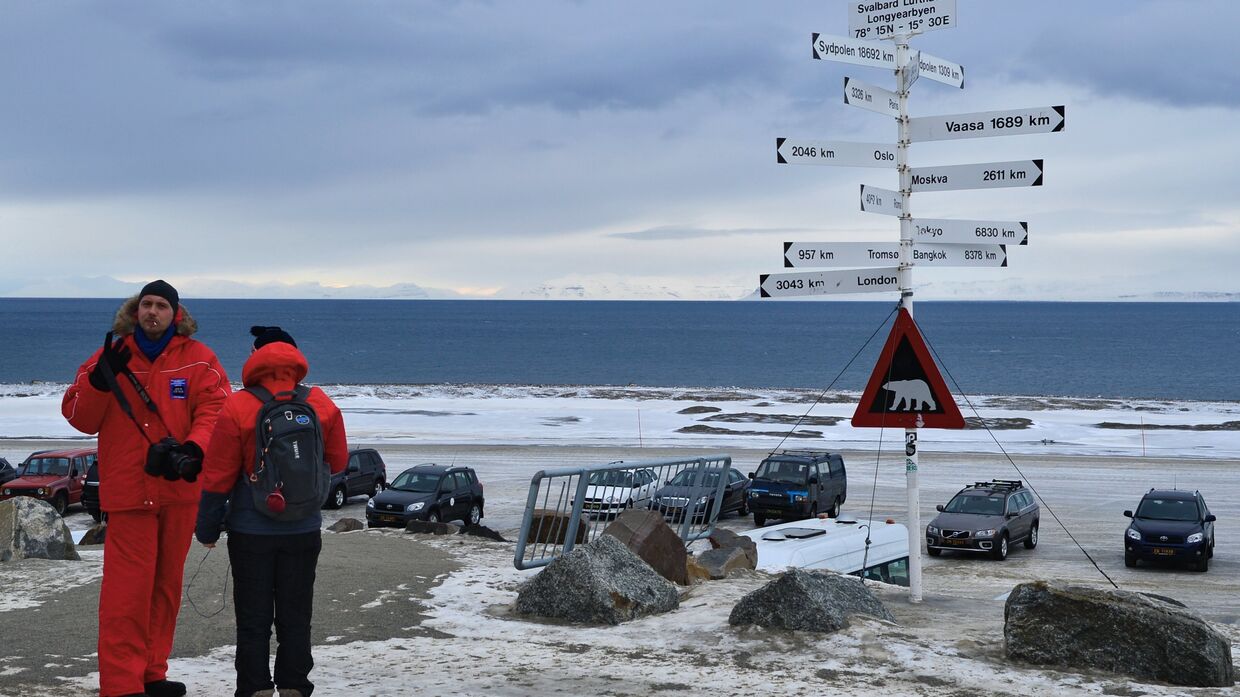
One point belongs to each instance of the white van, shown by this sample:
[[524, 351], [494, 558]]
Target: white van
[[837, 544]]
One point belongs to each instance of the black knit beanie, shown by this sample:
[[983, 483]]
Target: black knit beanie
[[164, 290], [270, 335]]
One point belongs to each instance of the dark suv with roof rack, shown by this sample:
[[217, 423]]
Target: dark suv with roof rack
[[1173, 526], [986, 517], [797, 484]]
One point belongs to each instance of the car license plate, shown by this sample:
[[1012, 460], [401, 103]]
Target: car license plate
[[956, 543], [389, 518], [1163, 552]]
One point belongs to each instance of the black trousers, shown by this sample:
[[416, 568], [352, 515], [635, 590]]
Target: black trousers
[[273, 579]]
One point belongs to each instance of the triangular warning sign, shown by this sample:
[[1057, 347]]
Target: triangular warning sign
[[906, 387]]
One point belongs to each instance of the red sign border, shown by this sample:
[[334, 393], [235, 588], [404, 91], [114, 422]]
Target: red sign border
[[905, 327]]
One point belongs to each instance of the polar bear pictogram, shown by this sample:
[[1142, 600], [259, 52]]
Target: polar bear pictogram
[[907, 394]]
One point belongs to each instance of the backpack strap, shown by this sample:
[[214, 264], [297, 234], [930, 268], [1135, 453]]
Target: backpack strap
[[262, 393]]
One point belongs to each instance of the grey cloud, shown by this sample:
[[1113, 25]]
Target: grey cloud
[[674, 232]]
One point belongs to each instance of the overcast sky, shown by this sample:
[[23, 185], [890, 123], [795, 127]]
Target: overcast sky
[[490, 148]]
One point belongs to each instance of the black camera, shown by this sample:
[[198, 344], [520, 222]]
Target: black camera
[[172, 460]]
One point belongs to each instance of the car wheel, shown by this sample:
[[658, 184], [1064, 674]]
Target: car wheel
[[759, 520], [933, 551], [338, 498], [743, 512], [1211, 552], [475, 514], [834, 510], [1203, 565], [1000, 551], [378, 488], [1130, 560], [432, 517], [60, 502], [1032, 540], [629, 505], [813, 511]]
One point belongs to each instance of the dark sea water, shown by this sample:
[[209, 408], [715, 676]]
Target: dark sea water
[[1154, 350]]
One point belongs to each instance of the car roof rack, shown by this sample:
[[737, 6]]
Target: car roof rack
[[806, 453], [1006, 484]]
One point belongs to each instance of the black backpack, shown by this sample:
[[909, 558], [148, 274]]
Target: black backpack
[[290, 477]]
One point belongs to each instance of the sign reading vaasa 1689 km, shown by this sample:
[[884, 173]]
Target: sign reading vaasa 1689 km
[[984, 175], [834, 152], [885, 19], [781, 285], [946, 231], [844, 254], [982, 124]]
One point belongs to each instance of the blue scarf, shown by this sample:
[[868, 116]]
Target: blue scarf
[[152, 348]]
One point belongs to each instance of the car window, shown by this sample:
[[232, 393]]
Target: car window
[[462, 480], [837, 468], [612, 478], [355, 459], [690, 476], [785, 471], [979, 505], [1167, 509], [733, 476]]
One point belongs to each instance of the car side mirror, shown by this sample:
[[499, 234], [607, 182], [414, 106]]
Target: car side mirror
[[1127, 514], [1210, 518], [939, 508], [751, 475], [1011, 515]]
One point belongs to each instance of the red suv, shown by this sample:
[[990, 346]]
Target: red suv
[[56, 476]]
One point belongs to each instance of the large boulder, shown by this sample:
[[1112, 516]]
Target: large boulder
[[346, 525], [551, 527], [650, 537], [1141, 636], [483, 532], [814, 601], [424, 527], [97, 535], [602, 582], [722, 561], [32, 529], [722, 538]]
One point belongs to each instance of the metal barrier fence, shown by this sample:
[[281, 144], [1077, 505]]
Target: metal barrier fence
[[568, 506]]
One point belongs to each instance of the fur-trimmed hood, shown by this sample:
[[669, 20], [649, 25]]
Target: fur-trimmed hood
[[127, 319]]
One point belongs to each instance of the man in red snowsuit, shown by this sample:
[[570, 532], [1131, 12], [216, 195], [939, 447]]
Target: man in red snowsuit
[[273, 561], [149, 458]]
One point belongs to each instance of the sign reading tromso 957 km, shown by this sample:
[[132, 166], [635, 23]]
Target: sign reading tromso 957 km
[[886, 19]]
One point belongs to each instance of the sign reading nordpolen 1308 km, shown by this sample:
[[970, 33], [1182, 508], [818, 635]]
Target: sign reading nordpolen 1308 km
[[983, 175], [983, 124], [791, 151], [886, 19], [783, 285]]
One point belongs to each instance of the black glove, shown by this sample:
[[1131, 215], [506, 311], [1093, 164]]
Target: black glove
[[187, 460], [159, 460], [211, 510], [117, 357]]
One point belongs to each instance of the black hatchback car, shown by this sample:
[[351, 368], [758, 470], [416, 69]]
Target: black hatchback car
[[692, 491], [1170, 526], [365, 474], [797, 484], [429, 492]]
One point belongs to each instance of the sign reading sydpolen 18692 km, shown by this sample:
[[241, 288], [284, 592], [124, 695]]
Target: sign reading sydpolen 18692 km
[[887, 19]]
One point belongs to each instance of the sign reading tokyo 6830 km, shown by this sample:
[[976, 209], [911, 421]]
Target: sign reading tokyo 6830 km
[[887, 19]]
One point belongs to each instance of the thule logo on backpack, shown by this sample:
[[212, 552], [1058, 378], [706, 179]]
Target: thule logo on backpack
[[296, 450]]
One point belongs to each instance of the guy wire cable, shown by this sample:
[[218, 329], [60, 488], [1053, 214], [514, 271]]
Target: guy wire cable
[[878, 457], [990, 433], [223, 594]]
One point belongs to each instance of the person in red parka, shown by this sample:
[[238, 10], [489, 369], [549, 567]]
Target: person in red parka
[[149, 456], [273, 561]]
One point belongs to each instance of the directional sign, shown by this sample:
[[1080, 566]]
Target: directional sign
[[781, 285], [860, 254], [834, 152], [876, 99], [943, 231], [912, 69], [982, 124], [882, 201], [906, 390], [984, 175], [886, 19], [941, 70], [841, 50]]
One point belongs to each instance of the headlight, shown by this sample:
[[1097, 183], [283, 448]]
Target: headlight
[[702, 500], [657, 500], [7, 492], [611, 499], [42, 491], [1195, 538], [932, 530], [985, 533], [798, 498], [370, 503], [414, 507], [1133, 534], [753, 494]]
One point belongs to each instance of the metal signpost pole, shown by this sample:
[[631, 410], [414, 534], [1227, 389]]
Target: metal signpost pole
[[906, 300]]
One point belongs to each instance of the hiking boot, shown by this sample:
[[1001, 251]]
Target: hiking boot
[[291, 692], [165, 688], [264, 693]]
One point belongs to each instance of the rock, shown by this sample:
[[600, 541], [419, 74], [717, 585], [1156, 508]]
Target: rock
[[602, 582], [32, 529], [723, 561], [815, 601], [482, 531], [723, 539], [1141, 636], [695, 571], [95, 536], [552, 527], [346, 525], [426, 528], [648, 536]]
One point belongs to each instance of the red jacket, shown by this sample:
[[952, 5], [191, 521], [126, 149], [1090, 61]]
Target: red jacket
[[187, 385], [278, 367]]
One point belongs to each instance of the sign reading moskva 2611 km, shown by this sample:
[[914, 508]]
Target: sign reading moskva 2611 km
[[783, 285], [982, 124], [790, 151], [886, 19], [984, 175]]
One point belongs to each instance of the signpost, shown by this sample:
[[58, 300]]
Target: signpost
[[882, 201], [983, 124], [884, 19], [945, 231], [939, 70], [984, 175], [869, 97], [782, 285], [862, 254], [841, 50], [792, 151]]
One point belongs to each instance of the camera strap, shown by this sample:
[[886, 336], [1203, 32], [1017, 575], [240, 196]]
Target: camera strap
[[110, 378]]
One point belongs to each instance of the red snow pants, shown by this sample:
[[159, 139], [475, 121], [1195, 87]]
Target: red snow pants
[[143, 565]]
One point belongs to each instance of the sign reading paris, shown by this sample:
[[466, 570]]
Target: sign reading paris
[[887, 19]]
